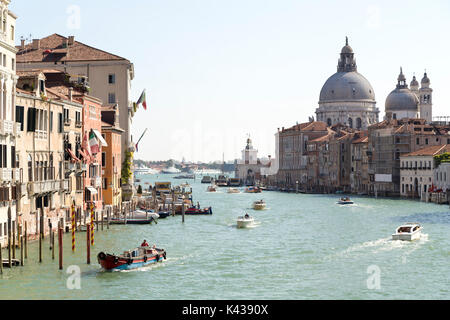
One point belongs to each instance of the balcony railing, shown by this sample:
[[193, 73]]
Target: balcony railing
[[44, 186], [7, 127], [67, 121], [64, 186], [6, 174], [96, 182], [78, 124]]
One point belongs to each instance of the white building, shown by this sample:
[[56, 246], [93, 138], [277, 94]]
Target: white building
[[9, 174], [417, 171], [442, 176]]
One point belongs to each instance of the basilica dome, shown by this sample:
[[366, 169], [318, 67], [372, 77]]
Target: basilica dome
[[347, 86]]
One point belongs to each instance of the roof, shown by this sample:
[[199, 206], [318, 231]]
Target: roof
[[308, 126], [429, 151], [51, 49]]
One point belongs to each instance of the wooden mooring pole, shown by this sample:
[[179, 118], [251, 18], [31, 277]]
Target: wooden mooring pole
[[88, 244], [9, 238], [60, 244], [21, 248], [26, 240]]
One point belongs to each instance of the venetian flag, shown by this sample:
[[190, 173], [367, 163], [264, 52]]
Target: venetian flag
[[142, 100], [93, 143]]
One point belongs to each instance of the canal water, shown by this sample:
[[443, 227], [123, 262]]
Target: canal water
[[302, 247]]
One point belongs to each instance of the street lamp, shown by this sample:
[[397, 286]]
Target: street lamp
[[296, 186]]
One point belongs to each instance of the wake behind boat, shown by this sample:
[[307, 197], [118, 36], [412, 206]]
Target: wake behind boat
[[131, 259]]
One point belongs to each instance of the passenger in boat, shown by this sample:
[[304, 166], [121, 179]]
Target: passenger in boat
[[144, 244], [247, 216]]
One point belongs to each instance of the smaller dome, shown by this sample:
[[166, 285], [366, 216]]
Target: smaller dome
[[401, 99], [347, 49], [401, 76], [425, 79]]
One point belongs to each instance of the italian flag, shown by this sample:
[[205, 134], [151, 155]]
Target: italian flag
[[93, 143], [143, 100]]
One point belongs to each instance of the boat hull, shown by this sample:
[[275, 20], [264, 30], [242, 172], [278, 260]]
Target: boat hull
[[259, 206], [244, 223], [198, 212], [111, 262], [407, 236]]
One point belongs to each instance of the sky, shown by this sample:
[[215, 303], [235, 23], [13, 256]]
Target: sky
[[216, 71]]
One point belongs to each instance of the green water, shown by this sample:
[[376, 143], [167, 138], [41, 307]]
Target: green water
[[302, 247]]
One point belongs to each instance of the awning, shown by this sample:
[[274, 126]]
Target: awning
[[92, 190], [74, 157], [100, 138]]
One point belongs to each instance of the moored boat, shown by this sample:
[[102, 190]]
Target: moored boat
[[233, 190], [197, 211], [245, 221], [163, 214], [259, 205], [207, 179], [222, 181], [252, 190], [131, 259], [408, 232]]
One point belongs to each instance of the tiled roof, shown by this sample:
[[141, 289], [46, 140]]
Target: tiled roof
[[429, 151], [51, 49]]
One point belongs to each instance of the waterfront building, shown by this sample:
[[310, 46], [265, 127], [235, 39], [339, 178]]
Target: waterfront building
[[347, 97], [359, 176], [111, 156], [293, 157], [109, 76], [404, 102], [48, 149], [248, 168], [441, 177], [390, 139], [9, 172], [416, 171]]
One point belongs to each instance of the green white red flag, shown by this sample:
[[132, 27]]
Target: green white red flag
[[93, 143], [142, 100]]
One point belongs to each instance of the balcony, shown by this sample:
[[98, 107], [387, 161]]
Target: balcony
[[44, 187], [6, 174], [69, 166], [78, 124], [17, 175], [67, 121], [64, 185], [41, 135], [7, 127]]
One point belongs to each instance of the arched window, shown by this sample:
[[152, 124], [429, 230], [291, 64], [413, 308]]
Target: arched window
[[329, 122], [30, 168], [358, 123], [350, 122]]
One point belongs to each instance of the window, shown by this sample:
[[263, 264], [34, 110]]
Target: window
[[13, 64], [111, 98], [112, 78], [103, 159], [426, 141], [20, 116]]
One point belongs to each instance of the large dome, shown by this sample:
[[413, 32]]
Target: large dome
[[401, 99], [347, 86]]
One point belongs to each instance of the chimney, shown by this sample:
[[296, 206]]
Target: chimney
[[71, 40], [70, 94], [36, 44], [22, 44]]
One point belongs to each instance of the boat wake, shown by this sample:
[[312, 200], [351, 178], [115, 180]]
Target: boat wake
[[382, 245]]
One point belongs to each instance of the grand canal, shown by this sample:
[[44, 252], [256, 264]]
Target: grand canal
[[302, 247]]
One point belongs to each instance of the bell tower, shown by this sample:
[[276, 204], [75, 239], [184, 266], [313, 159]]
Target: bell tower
[[426, 99]]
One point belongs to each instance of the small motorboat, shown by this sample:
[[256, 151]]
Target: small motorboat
[[197, 211], [207, 179], [131, 259], [345, 200], [212, 189], [252, 190], [163, 214], [259, 205], [408, 232], [133, 220], [233, 190], [245, 221]]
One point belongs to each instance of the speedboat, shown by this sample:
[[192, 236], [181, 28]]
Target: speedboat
[[212, 188], [408, 232], [345, 200], [259, 205], [196, 211], [245, 221], [233, 190], [131, 259]]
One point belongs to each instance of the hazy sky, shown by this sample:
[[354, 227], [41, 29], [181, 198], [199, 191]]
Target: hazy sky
[[217, 70]]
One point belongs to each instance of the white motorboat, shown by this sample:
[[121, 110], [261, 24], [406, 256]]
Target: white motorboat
[[245, 221], [408, 232], [171, 170], [212, 188], [345, 200], [259, 205], [233, 190]]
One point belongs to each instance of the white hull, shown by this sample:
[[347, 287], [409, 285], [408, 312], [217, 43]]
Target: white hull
[[407, 236], [245, 223]]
